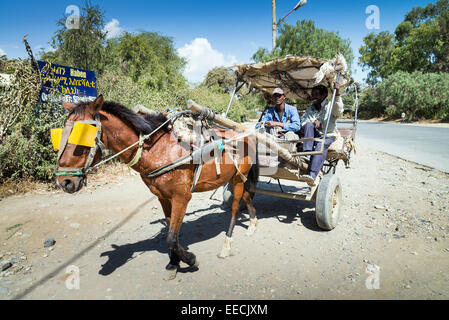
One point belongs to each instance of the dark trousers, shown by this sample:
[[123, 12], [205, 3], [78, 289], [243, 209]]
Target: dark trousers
[[317, 161]]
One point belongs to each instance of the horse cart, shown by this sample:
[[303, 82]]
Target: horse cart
[[173, 170], [279, 157]]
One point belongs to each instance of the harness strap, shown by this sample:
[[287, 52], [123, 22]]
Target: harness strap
[[196, 176], [138, 153], [236, 166], [170, 167], [99, 144], [65, 137], [196, 157], [93, 151]]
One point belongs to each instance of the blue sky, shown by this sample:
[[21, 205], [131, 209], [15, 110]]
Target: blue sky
[[207, 33]]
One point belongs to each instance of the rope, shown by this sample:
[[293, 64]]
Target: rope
[[208, 114], [140, 139], [81, 172]]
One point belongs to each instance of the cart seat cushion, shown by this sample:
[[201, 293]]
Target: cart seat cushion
[[338, 144], [341, 148], [345, 133]]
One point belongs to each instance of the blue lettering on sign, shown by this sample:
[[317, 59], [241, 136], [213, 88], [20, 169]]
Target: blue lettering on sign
[[75, 84]]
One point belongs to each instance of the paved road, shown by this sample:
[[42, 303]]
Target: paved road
[[425, 145]]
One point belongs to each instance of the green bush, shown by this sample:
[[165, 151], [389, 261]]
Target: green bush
[[392, 111], [123, 90], [371, 104], [26, 150], [419, 95]]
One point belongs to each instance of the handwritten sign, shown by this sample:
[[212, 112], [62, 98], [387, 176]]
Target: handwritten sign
[[75, 84]]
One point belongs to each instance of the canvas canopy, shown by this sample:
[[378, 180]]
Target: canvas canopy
[[295, 75]]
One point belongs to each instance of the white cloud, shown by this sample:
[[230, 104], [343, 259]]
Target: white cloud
[[201, 57], [112, 29], [2, 52]]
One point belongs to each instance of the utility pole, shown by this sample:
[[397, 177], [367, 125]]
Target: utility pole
[[300, 4], [275, 27]]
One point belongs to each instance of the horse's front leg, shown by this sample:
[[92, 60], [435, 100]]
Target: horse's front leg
[[173, 265], [177, 252]]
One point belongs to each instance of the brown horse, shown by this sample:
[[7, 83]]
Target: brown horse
[[120, 128]]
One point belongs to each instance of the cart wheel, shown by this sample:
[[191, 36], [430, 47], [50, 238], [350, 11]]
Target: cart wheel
[[328, 202], [228, 197]]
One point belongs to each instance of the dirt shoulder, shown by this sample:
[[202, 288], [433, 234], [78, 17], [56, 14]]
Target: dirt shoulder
[[429, 123], [394, 217]]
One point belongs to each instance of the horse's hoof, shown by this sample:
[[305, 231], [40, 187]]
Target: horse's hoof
[[170, 272], [251, 230], [225, 252], [196, 264]]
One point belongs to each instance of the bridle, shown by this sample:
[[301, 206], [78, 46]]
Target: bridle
[[82, 172], [68, 171]]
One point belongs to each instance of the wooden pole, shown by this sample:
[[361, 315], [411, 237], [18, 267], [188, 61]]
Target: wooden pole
[[264, 139], [275, 27], [298, 197]]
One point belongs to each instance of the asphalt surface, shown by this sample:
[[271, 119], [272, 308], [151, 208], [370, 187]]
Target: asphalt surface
[[428, 146]]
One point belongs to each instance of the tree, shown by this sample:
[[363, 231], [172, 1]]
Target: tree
[[420, 43], [82, 47], [220, 79], [147, 58], [305, 39], [415, 50], [419, 15], [375, 56]]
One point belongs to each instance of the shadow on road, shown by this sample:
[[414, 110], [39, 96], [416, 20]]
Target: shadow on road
[[55, 272], [210, 226]]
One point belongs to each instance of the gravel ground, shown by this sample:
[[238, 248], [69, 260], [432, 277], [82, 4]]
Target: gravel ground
[[391, 243]]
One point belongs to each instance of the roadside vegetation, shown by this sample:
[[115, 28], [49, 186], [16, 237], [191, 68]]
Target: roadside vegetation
[[409, 70], [133, 69], [408, 73]]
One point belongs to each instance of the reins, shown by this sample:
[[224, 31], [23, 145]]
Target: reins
[[195, 156], [87, 168]]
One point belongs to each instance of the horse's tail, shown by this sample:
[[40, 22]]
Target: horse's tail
[[253, 175]]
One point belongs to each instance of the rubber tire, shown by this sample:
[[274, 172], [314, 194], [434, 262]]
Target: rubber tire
[[228, 196], [327, 217]]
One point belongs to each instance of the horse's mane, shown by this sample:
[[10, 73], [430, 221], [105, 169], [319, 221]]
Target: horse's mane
[[140, 125]]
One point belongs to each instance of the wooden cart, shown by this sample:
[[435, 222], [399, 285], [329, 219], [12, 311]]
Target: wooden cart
[[297, 76]]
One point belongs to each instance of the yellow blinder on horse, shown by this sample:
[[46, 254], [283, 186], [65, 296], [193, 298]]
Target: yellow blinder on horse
[[83, 134], [56, 138]]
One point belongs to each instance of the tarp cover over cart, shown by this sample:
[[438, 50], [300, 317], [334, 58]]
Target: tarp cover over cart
[[278, 156]]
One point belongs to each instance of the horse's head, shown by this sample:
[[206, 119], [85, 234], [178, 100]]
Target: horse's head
[[80, 145]]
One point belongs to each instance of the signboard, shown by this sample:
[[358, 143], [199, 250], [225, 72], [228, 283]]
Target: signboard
[[75, 84]]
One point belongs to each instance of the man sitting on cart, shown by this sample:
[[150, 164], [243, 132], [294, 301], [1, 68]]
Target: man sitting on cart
[[282, 116], [314, 124]]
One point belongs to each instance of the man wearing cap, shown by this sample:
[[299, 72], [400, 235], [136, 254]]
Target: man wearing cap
[[313, 126], [281, 115]]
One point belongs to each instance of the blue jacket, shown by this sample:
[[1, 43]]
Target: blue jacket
[[290, 118]]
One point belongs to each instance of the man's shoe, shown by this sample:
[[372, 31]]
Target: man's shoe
[[306, 159], [309, 180]]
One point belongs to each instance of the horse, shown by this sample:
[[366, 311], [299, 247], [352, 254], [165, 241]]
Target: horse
[[120, 128]]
